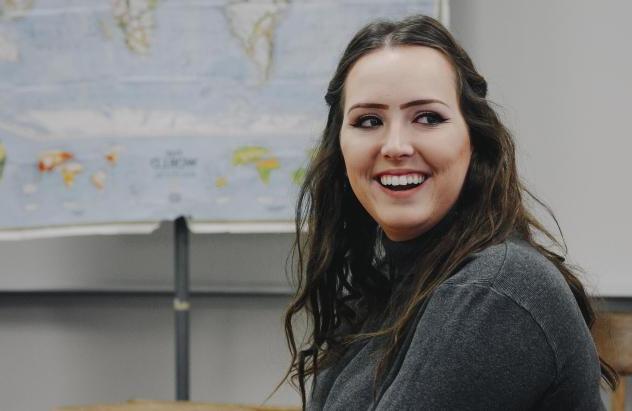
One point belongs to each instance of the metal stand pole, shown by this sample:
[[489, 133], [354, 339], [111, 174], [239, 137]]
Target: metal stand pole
[[181, 307]]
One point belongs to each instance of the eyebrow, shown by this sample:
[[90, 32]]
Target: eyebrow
[[419, 102]]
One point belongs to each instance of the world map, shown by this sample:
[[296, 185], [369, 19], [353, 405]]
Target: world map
[[144, 110]]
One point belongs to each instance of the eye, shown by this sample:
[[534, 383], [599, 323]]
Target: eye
[[367, 122], [430, 118]]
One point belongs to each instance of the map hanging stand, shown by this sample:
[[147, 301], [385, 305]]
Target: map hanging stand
[[181, 307]]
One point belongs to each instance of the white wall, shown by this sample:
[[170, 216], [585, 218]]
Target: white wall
[[560, 69], [561, 72], [95, 349], [144, 262]]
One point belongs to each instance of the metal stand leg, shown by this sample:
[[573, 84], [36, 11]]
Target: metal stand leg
[[181, 307]]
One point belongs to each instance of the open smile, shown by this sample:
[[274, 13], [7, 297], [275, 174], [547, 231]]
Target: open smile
[[401, 185], [401, 180]]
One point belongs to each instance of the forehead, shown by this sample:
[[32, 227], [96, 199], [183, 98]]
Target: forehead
[[401, 73]]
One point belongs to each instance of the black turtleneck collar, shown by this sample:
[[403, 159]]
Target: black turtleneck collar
[[400, 256]]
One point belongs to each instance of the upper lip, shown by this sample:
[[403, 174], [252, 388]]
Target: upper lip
[[400, 172]]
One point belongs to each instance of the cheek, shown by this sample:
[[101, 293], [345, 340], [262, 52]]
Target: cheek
[[344, 145], [458, 166], [353, 153], [465, 155], [451, 156], [346, 152]]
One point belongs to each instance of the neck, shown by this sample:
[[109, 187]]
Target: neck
[[400, 256]]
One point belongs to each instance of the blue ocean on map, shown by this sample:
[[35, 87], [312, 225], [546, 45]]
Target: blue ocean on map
[[124, 111]]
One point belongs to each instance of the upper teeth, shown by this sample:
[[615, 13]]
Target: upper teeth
[[402, 179]]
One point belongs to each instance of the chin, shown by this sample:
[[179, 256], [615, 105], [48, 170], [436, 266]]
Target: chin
[[403, 230]]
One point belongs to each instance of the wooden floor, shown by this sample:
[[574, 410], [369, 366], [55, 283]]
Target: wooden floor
[[145, 405]]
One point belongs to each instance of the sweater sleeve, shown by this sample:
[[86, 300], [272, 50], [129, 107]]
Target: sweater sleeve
[[473, 349]]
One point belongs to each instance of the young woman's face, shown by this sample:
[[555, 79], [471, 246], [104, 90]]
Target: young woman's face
[[404, 140]]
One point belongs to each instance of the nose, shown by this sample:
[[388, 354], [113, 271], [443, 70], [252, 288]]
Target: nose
[[396, 145]]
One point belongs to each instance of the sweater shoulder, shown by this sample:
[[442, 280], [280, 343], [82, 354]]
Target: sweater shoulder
[[517, 270], [521, 273]]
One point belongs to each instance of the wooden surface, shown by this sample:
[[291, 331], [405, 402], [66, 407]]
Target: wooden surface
[[613, 336], [144, 405], [617, 402]]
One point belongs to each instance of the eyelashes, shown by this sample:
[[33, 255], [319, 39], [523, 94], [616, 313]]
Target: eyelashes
[[370, 121], [431, 117]]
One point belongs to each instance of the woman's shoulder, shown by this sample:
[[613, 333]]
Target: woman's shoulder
[[516, 269], [518, 272], [508, 308]]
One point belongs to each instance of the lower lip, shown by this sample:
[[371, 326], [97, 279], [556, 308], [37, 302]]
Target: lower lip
[[403, 193]]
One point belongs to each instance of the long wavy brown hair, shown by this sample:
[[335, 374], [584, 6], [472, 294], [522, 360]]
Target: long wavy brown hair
[[336, 254]]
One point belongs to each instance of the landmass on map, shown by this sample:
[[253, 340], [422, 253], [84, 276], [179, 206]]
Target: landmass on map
[[135, 19], [66, 163], [14, 9], [298, 175], [260, 157], [254, 24]]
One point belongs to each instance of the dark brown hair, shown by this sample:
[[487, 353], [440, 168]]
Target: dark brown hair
[[338, 283]]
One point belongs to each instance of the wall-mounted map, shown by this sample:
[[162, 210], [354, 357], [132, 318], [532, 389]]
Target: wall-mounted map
[[127, 111]]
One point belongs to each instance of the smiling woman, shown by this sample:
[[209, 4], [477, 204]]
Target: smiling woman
[[404, 127], [420, 274]]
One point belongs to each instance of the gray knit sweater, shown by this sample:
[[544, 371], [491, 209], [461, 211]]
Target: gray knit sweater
[[504, 333]]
